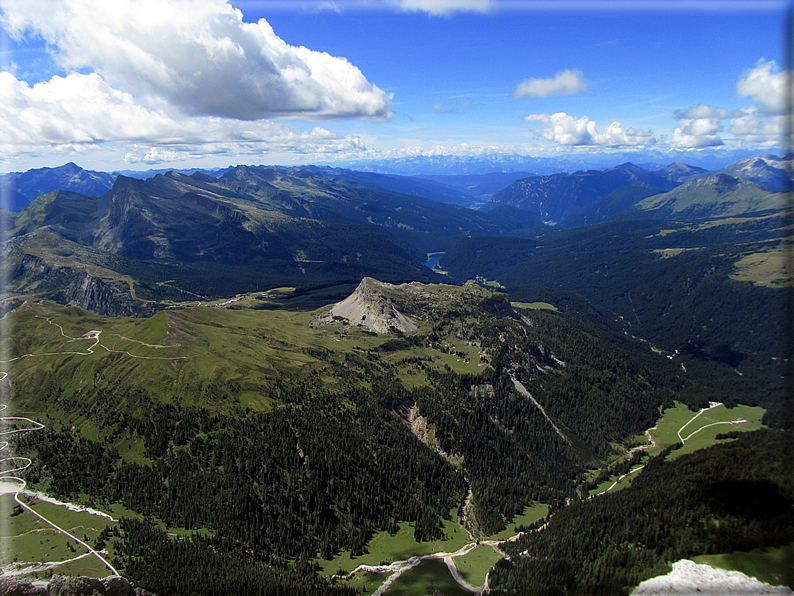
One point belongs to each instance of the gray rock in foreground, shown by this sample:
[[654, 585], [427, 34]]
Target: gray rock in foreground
[[688, 578], [61, 585]]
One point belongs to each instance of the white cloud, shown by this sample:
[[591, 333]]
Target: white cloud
[[564, 129], [70, 114], [198, 56], [766, 86], [567, 82], [701, 112], [699, 126], [751, 126], [444, 7]]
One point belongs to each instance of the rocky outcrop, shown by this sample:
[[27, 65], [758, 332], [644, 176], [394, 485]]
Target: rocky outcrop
[[369, 307], [382, 307], [61, 585], [688, 578], [100, 296]]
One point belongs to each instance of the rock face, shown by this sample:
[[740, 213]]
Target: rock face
[[688, 578], [61, 585], [383, 308], [369, 307]]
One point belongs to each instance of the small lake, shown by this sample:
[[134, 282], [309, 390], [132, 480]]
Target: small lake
[[433, 258]]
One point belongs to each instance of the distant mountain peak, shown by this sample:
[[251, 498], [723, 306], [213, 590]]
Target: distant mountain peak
[[630, 167], [23, 187]]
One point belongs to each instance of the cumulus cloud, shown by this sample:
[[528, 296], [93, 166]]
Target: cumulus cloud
[[766, 86], [753, 127], [699, 126], [199, 57], [564, 129], [69, 114], [567, 82], [444, 7], [701, 112]]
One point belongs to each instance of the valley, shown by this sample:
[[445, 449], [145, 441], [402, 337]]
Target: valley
[[135, 340], [263, 372]]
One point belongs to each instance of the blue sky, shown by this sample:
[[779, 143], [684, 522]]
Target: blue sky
[[136, 84]]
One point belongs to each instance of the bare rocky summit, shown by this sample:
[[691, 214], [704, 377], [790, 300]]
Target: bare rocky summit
[[382, 308], [370, 307]]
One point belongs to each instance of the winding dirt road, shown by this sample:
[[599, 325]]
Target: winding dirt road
[[13, 484]]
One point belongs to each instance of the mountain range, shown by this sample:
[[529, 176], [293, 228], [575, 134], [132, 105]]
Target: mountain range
[[253, 227], [254, 370], [583, 198], [22, 187]]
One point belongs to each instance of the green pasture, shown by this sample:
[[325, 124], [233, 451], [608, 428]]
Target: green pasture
[[534, 305], [530, 515], [429, 578], [701, 432], [773, 566], [476, 564], [625, 482], [219, 358], [178, 355], [27, 538], [768, 268], [385, 548], [698, 434]]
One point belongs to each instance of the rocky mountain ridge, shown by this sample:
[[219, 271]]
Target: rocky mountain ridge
[[589, 197], [23, 187], [384, 308]]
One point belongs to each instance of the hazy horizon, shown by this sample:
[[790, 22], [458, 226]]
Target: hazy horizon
[[209, 83]]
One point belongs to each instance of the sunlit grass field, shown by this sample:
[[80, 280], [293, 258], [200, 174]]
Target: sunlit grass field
[[28, 539], [475, 565], [385, 548], [427, 579], [773, 566], [702, 431]]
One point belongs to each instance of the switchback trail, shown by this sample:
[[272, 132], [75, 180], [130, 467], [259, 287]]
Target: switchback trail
[[10, 483], [13, 484]]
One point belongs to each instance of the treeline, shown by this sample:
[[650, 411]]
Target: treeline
[[333, 463], [510, 452], [686, 301], [731, 497], [319, 474], [328, 467], [203, 566]]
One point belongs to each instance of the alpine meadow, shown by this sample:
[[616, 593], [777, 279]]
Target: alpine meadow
[[399, 297]]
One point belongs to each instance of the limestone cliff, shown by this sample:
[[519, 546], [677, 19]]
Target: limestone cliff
[[369, 307]]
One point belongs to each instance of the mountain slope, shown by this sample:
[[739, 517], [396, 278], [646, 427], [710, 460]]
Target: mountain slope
[[559, 196], [408, 185], [681, 287], [427, 225], [175, 237], [769, 171], [715, 196], [198, 237], [23, 187], [617, 203]]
